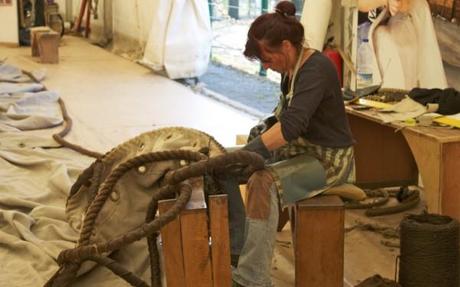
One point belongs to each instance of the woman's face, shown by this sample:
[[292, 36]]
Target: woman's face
[[274, 59]]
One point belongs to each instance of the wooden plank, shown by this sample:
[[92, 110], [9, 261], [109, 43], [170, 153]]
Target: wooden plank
[[450, 197], [34, 32], [319, 242], [440, 135], [220, 241], [427, 153], [382, 157], [172, 248], [195, 243], [48, 46]]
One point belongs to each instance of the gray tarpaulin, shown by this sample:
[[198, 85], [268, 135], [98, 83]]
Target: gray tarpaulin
[[29, 111], [35, 180], [34, 185]]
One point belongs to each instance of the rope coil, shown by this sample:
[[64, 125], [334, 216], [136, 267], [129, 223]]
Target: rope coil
[[429, 251], [71, 259]]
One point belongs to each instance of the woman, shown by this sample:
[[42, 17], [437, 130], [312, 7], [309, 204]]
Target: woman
[[308, 149]]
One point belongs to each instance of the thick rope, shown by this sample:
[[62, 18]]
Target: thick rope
[[408, 203], [107, 186], [381, 196], [59, 137], [378, 281], [119, 270], [155, 272], [72, 258], [375, 208], [429, 251]]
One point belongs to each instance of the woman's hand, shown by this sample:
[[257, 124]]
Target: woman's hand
[[396, 6]]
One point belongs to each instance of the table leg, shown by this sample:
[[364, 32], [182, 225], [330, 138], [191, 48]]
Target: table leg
[[439, 165]]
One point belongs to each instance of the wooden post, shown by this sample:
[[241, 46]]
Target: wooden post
[[188, 258], [220, 241], [319, 242], [34, 32], [172, 248], [48, 46], [195, 244]]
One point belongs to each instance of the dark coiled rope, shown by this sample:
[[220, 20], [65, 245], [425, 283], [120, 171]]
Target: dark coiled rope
[[429, 251], [71, 259], [376, 208]]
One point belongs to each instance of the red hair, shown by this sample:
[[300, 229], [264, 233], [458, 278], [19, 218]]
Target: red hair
[[273, 29]]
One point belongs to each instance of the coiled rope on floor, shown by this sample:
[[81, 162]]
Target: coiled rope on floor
[[429, 251], [59, 137], [71, 259], [378, 281], [407, 199]]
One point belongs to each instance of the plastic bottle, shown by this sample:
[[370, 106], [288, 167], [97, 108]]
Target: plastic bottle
[[363, 31], [364, 64]]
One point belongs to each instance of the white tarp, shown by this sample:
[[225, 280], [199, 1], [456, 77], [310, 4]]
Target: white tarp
[[315, 20], [407, 51], [33, 225], [29, 111], [405, 47], [180, 38]]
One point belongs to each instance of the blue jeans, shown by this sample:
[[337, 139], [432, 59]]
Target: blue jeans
[[254, 265]]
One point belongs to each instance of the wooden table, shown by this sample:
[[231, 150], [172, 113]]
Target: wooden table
[[391, 154]]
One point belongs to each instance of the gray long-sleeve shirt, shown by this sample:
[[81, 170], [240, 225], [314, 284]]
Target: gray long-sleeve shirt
[[317, 112]]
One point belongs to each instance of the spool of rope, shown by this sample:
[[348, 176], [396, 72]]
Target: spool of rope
[[429, 251], [378, 281]]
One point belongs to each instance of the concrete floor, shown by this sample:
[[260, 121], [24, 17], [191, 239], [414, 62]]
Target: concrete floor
[[112, 99]]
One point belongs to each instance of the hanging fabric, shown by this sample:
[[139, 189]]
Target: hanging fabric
[[180, 38]]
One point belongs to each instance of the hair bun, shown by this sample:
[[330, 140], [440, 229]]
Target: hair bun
[[286, 8]]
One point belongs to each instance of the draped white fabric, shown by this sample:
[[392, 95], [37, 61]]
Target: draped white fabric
[[315, 20], [180, 38], [406, 50]]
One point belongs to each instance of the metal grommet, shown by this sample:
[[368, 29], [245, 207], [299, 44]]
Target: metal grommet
[[141, 146], [114, 196], [142, 169]]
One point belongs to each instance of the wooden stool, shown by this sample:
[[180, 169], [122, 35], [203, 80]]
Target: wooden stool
[[48, 46], [34, 32], [189, 258], [318, 238]]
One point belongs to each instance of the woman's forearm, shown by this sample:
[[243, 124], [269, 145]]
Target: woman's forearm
[[273, 138]]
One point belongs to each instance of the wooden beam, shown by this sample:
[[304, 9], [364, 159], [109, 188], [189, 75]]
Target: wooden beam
[[195, 243], [220, 241], [172, 248], [319, 242]]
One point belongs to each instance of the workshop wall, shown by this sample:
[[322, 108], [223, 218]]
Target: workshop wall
[[9, 22], [132, 21], [123, 24]]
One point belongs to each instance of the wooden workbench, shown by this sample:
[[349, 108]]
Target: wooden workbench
[[389, 154]]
